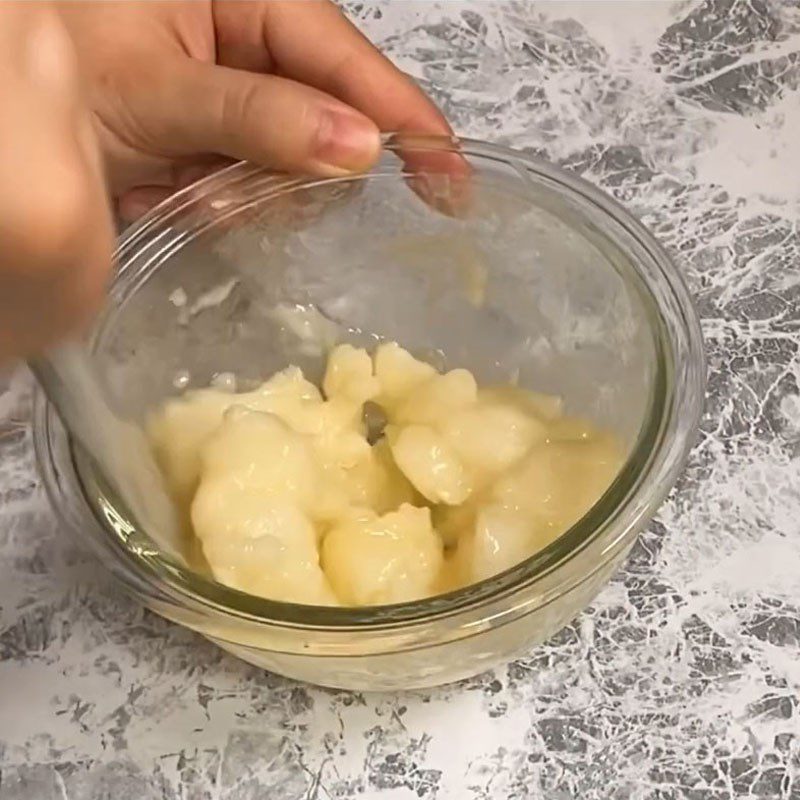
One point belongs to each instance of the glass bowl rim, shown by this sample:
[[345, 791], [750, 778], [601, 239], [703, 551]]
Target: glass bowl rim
[[658, 454]]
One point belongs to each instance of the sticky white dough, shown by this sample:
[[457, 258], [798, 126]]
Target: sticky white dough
[[289, 500]]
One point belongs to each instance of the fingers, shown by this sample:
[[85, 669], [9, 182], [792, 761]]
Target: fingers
[[136, 202], [315, 44], [262, 118], [55, 228]]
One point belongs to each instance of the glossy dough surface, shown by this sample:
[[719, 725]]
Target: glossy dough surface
[[295, 493]]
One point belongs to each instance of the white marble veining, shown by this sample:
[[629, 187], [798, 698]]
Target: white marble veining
[[682, 681]]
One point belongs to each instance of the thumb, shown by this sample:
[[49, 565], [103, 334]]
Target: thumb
[[262, 118], [55, 227]]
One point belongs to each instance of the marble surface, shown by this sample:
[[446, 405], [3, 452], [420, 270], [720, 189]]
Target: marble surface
[[682, 680]]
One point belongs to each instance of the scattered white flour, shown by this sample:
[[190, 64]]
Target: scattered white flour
[[317, 333], [213, 297], [178, 297]]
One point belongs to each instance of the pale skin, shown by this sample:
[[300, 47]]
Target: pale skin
[[117, 104]]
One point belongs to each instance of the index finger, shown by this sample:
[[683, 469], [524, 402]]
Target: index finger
[[313, 43]]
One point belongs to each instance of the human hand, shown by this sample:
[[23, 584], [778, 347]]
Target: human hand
[[289, 84], [172, 87], [55, 226]]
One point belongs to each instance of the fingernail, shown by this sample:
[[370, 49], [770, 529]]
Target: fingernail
[[346, 142]]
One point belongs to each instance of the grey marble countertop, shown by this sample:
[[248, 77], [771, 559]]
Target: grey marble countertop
[[682, 680]]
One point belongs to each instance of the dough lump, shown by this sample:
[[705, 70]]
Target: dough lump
[[292, 494]]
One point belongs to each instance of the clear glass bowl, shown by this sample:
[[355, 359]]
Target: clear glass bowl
[[539, 277]]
